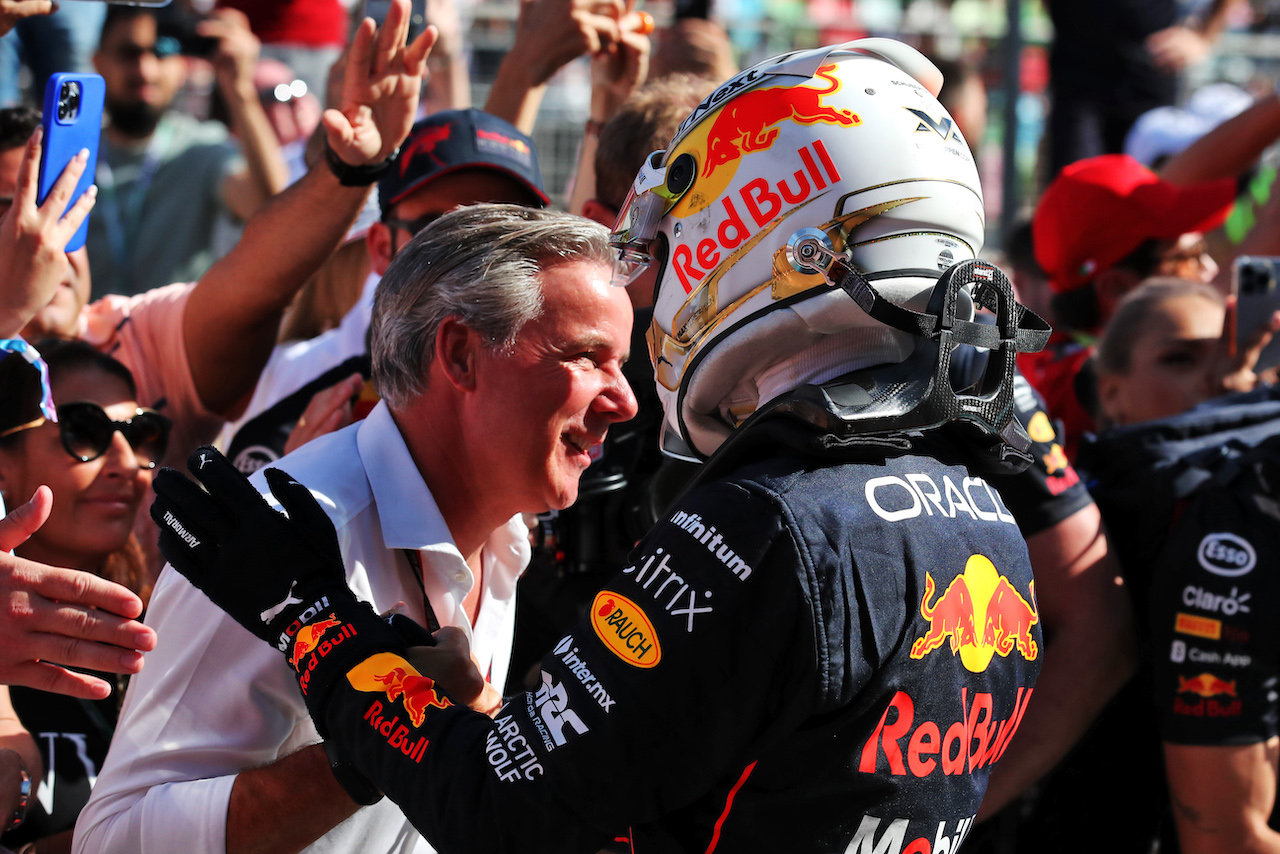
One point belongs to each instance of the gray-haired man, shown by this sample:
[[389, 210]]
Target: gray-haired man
[[497, 348]]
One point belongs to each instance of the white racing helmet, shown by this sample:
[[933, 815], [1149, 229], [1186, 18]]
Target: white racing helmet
[[847, 144]]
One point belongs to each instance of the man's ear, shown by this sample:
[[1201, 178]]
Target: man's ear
[[378, 241], [1111, 394], [456, 353], [597, 211]]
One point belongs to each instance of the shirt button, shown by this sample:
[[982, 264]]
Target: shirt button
[[460, 577]]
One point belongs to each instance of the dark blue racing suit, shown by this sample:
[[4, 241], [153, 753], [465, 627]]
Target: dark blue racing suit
[[806, 655]]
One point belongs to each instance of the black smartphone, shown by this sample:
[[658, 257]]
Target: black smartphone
[[1254, 281]]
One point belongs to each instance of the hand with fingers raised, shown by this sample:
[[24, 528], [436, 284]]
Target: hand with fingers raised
[[380, 87], [33, 237], [280, 576]]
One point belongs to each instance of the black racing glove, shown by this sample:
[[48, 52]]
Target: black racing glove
[[281, 577]]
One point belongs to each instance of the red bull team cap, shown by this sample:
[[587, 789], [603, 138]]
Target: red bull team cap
[[454, 140]]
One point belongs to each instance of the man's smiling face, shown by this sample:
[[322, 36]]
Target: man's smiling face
[[551, 398]]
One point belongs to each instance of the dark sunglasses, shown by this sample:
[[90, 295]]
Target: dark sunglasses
[[86, 431]]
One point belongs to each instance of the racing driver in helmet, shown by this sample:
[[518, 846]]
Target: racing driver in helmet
[[833, 635]]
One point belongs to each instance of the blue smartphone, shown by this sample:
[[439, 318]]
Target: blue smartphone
[[72, 121]]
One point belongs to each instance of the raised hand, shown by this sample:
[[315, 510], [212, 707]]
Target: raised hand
[[279, 576], [33, 238], [380, 88]]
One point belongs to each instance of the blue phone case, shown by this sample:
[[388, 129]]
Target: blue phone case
[[63, 138]]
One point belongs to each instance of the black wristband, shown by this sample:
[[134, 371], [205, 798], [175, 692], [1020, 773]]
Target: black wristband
[[356, 176], [357, 786]]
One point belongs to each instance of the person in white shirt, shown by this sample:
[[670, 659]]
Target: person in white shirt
[[498, 374], [450, 158]]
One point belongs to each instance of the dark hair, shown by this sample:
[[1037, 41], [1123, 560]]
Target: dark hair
[[117, 13], [16, 126], [644, 124], [64, 356], [20, 392], [1115, 345]]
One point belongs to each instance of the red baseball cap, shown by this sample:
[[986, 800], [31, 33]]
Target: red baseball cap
[[1099, 210]]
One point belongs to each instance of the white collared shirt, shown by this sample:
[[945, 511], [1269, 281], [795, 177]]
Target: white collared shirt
[[213, 699]]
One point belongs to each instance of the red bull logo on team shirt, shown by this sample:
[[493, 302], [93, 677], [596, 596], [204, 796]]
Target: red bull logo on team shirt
[[904, 744], [1206, 685], [390, 674], [980, 614], [1217, 697]]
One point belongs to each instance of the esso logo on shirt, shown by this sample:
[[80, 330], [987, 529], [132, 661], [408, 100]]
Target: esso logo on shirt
[[1226, 555]]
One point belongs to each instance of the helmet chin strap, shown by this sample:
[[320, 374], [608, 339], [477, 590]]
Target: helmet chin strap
[[809, 251], [917, 394]]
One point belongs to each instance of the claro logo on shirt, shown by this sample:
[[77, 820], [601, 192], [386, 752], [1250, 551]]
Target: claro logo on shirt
[[625, 629]]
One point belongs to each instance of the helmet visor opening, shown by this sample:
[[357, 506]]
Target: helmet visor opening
[[639, 220]]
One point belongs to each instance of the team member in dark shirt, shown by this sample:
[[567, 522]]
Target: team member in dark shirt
[[833, 636]]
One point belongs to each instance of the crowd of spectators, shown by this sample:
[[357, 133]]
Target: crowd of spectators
[[226, 292]]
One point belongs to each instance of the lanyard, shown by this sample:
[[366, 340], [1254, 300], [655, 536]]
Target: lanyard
[[415, 564], [433, 624]]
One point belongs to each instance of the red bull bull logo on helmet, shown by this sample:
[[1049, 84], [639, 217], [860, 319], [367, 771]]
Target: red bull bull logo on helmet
[[980, 615], [749, 122]]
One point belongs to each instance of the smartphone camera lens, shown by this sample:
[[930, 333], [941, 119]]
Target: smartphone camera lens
[[1256, 278], [69, 101]]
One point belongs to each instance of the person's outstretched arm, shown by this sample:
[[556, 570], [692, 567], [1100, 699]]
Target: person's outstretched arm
[[232, 315]]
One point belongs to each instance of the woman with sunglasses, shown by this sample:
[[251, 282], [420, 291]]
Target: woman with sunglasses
[[98, 459]]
